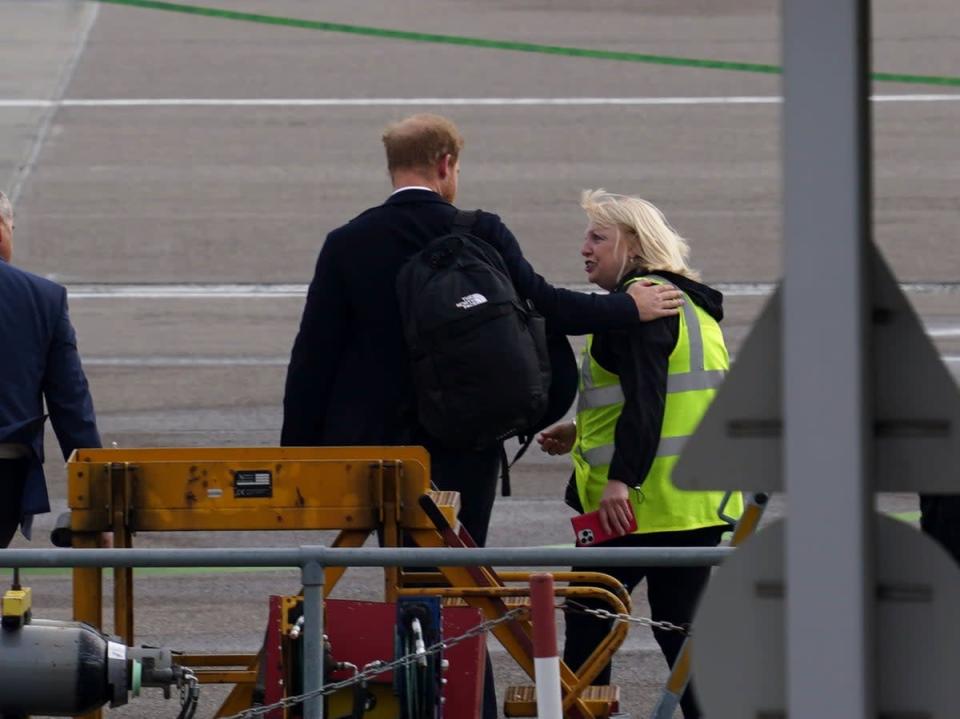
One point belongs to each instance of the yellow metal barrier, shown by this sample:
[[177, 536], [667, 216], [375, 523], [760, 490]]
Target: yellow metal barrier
[[356, 490]]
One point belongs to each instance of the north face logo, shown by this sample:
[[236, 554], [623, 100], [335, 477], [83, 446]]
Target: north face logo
[[469, 301]]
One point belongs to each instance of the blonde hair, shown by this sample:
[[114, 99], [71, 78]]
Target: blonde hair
[[420, 141], [653, 244]]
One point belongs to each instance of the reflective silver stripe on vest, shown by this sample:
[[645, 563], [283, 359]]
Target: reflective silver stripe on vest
[[586, 381], [667, 447], [599, 455], [697, 378], [671, 446], [600, 397], [694, 335], [691, 381], [682, 382], [586, 376]]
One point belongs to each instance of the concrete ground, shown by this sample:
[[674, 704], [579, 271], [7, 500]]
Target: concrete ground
[[148, 210]]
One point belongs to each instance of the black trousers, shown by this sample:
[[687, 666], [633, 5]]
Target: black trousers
[[474, 475], [13, 474], [673, 593]]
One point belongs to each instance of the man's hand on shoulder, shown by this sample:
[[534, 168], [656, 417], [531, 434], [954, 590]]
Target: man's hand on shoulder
[[655, 301]]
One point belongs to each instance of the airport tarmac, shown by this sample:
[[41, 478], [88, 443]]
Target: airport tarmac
[[179, 173]]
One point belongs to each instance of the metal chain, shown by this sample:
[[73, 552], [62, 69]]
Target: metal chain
[[379, 668], [571, 605]]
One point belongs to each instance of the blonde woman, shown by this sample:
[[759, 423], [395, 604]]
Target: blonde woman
[[642, 392]]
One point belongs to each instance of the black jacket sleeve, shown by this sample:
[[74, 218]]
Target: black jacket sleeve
[[66, 391], [316, 353], [641, 357], [567, 312]]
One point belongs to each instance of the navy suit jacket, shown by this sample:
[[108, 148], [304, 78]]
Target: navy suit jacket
[[40, 361], [348, 381]]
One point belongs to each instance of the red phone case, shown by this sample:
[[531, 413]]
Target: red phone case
[[587, 529]]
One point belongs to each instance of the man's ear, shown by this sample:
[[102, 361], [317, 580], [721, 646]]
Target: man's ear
[[445, 166]]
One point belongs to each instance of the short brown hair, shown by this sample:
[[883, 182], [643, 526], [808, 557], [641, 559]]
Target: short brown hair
[[420, 141]]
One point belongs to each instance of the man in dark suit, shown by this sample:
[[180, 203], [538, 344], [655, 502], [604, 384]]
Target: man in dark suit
[[40, 362], [349, 381]]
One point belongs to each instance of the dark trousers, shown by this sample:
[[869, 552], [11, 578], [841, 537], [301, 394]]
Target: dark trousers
[[673, 593], [13, 474], [474, 475], [940, 518]]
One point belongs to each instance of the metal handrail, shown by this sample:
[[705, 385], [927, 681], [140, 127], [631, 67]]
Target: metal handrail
[[312, 559], [366, 557]]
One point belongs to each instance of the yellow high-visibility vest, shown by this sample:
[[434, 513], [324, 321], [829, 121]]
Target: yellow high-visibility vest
[[696, 368]]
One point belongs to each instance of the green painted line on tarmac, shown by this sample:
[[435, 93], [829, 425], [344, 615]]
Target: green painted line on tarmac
[[942, 80], [466, 41]]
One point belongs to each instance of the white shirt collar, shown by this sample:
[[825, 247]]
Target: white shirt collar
[[413, 187]]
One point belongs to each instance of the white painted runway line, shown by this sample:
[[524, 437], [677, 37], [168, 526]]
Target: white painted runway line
[[432, 101], [43, 128], [187, 362], [99, 291], [184, 291]]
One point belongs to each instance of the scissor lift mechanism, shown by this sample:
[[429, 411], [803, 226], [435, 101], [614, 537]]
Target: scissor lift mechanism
[[356, 490]]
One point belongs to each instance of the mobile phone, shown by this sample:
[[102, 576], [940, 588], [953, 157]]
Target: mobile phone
[[587, 529]]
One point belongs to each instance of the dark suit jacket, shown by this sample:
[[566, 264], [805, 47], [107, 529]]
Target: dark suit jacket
[[348, 381], [40, 360]]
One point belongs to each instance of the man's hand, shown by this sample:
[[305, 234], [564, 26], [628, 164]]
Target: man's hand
[[615, 509], [558, 439], [655, 301]]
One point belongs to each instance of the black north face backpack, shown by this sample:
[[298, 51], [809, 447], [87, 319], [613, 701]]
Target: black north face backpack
[[479, 355]]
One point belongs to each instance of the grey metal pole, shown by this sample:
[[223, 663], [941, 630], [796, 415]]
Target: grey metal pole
[[312, 574], [829, 563]]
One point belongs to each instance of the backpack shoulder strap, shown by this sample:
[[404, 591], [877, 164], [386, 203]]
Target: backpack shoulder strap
[[465, 220]]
